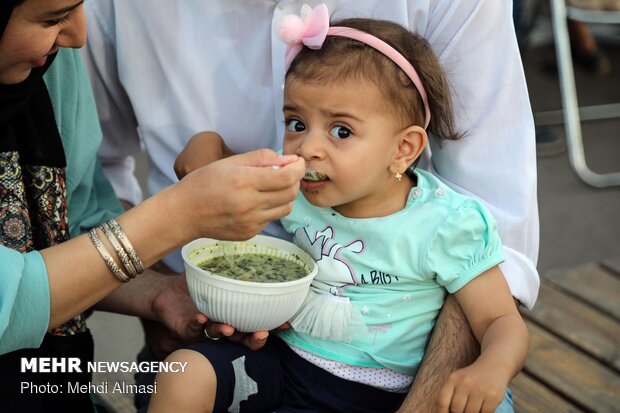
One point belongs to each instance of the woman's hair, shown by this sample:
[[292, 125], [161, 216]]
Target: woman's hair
[[346, 60]]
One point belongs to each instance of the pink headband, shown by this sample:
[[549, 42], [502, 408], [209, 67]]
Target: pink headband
[[312, 28]]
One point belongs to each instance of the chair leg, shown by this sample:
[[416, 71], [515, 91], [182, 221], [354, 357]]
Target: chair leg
[[568, 91]]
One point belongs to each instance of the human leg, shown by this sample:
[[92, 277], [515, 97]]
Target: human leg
[[193, 390], [244, 380]]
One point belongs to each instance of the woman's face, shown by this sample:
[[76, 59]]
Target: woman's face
[[36, 29]]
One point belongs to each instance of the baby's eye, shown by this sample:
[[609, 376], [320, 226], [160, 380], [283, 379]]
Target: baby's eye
[[295, 125], [340, 132]]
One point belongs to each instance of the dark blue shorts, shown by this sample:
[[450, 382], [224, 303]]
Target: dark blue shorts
[[275, 379]]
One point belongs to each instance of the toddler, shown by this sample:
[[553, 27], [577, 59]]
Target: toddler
[[390, 241]]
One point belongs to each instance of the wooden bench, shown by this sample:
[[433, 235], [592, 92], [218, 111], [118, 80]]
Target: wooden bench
[[574, 360]]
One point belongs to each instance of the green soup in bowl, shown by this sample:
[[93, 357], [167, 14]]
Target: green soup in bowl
[[262, 268], [274, 278]]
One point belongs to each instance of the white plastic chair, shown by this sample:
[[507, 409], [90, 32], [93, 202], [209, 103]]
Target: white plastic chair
[[571, 110]]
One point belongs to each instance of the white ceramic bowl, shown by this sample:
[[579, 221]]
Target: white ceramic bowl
[[248, 306]]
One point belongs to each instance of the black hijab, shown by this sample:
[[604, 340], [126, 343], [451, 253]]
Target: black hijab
[[27, 123]]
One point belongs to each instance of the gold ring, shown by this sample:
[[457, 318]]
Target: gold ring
[[204, 330]]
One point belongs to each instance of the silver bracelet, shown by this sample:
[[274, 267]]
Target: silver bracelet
[[94, 238], [120, 251], [133, 255]]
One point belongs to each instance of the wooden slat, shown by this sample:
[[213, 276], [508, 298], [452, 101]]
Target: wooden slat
[[587, 328], [591, 283], [613, 265], [575, 376], [530, 396]]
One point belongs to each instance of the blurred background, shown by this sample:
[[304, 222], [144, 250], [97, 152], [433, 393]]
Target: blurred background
[[578, 223]]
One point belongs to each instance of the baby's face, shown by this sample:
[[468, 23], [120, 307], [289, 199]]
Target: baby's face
[[348, 141]]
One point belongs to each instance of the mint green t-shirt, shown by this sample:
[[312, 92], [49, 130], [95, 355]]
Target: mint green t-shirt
[[395, 270]]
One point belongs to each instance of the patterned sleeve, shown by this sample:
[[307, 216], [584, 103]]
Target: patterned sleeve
[[464, 246]]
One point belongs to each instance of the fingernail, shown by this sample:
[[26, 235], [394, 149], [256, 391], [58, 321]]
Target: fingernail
[[287, 157], [275, 166], [262, 336]]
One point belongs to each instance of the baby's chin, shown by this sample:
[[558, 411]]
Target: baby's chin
[[313, 197]]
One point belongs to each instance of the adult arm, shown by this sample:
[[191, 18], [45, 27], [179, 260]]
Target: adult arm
[[244, 201], [163, 300], [496, 160], [247, 197], [452, 346], [504, 339], [158, 297]]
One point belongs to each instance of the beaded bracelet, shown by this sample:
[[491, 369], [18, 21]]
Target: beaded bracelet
[[92, 234]]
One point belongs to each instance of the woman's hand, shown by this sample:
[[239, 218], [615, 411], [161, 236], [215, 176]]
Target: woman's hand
[[173, 307], [235, 198], [254, 341]]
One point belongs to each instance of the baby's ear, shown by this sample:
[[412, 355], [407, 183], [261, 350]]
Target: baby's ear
[[411, 143]]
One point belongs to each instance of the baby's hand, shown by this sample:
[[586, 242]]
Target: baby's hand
[[476, 388], [201, 150]]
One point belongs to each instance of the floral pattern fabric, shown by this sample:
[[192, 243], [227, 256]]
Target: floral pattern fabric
[[33, 213]]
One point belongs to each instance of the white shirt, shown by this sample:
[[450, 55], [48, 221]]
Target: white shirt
[[163, 70]]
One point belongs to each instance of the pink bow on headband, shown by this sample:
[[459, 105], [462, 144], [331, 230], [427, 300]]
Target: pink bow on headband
[[312, 28], [308, 30]]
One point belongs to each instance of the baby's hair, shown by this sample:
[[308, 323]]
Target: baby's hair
[[344, 59]]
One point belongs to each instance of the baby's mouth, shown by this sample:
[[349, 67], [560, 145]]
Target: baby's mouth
[[314, 176]]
